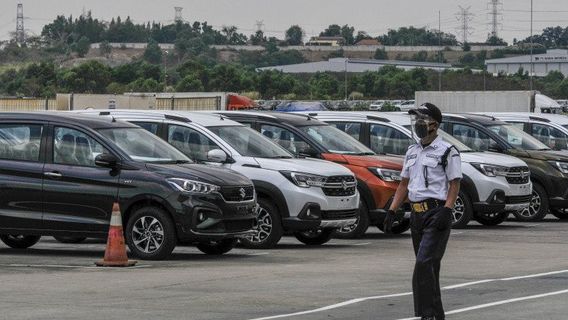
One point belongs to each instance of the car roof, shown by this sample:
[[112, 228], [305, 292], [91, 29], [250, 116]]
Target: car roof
[[483, 120], [347, 115], [294, 119], [202, 118], [72, 118]]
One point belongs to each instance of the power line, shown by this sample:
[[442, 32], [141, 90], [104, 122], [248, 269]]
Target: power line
[[464, 16]]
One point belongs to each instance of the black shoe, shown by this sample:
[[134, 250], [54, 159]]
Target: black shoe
[[427, 318]]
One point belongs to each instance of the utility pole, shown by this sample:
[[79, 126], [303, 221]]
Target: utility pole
[[178, 17], [20, 33], [531, 71], [464, 17], [495, 12], [345, 80]]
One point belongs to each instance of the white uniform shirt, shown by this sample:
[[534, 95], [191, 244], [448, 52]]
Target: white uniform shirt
[[430, 157]]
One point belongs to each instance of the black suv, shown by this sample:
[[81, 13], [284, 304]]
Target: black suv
[[61, 174], [548, 169]]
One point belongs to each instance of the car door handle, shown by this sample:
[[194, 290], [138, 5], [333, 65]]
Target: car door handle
[[53, 175]]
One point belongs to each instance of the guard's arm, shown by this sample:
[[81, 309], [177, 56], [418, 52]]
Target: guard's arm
[[453, 191], [400, 194]]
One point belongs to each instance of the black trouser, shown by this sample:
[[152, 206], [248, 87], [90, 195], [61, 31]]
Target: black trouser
[[430, 233]]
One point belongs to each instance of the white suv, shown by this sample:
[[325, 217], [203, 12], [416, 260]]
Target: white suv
[[493, 183], [308, 197]]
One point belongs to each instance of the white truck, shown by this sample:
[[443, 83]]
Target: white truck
[[489, 101]]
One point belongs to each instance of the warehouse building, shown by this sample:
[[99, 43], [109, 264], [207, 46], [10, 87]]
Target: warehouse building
[[552, 60], [354, 66]]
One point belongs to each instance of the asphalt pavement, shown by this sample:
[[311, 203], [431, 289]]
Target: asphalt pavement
[[512, 271]]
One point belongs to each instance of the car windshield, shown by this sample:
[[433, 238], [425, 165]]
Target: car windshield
[[451, 140], [141, 145], [565, 126], [336, 141], [250, 143], [518, 138]]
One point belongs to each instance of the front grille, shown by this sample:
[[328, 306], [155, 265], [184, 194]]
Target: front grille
[[518, 175], [338, 215], [518, 199], [338, 186], [238, 194]]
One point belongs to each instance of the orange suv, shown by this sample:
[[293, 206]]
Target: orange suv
[[304, 136]]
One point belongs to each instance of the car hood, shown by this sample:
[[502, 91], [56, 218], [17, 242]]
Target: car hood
[[492, 158], [315, 166], [200, 172], [382, 161], [542, 155]]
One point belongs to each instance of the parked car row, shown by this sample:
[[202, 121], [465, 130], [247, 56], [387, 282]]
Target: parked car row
[[214, 178]]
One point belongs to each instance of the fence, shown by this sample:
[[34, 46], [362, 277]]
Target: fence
[[18, 104]]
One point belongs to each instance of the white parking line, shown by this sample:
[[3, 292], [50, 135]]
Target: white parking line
[[498, 303], [16, 265], [258, 254], [357, 300], [362, 244]]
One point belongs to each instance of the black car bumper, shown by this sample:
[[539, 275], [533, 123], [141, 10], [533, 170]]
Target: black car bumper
[[210, 218], [558, 193], [493, 204]]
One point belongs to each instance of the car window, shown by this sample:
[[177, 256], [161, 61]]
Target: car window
[[351, 128], [190, 142], [75, 148], [20, 141], [550, 136], [473, 138], [518, 125], [148, 126], [385, 139], [285, 138]]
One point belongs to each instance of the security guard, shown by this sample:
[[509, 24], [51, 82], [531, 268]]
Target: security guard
[[431, 178]]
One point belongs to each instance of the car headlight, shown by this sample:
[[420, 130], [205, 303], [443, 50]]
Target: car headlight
[[491, 170], [387, 175], [305, 180], [192, 186], [561, 166]]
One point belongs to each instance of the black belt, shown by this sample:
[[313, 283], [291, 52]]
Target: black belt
[[428, 204]]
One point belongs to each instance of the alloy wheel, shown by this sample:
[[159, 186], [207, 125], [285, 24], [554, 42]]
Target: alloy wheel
[[534, 206], [264, 226], [459, 210], [148, 234]]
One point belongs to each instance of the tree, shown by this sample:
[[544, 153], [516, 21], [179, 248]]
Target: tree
[[258, 38], [153, 53], [105, 48], [333, 30], [295, 35], [82, 46], [380, 54], [411, 36], [362, 35], [190, 84], [347, 34], [495, 41]]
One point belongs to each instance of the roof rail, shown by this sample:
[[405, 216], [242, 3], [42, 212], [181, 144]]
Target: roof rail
[[539, 119], [378, 118], [177, 118]]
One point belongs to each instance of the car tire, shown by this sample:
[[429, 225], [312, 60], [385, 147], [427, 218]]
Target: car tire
[[314, 237], [357, 229], [462, 212], [538, 208], [492, 219], [269, 227], [19, 241], [561, 214], [158, 224], [217, 247], [400, 228], [70, 239]]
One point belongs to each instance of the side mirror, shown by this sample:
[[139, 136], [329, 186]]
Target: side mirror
[[308, 152], [217, 156], [106, 160]]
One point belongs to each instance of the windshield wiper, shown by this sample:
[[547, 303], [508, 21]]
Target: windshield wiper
[[281, 157], [366, 154]]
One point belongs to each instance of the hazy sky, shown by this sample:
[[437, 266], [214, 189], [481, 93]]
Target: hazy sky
[[374, 16]]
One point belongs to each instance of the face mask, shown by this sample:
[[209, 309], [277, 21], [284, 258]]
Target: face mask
[[421, 129]]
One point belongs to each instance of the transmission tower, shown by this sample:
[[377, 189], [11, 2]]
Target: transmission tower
[[464, 17], [178, 17], [20, 33], [259, 25], [495, 12]]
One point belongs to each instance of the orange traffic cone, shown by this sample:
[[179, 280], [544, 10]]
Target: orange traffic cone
[[115, 252]]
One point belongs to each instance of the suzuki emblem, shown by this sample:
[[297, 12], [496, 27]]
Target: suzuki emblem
[[243, 193], [344, 184]]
